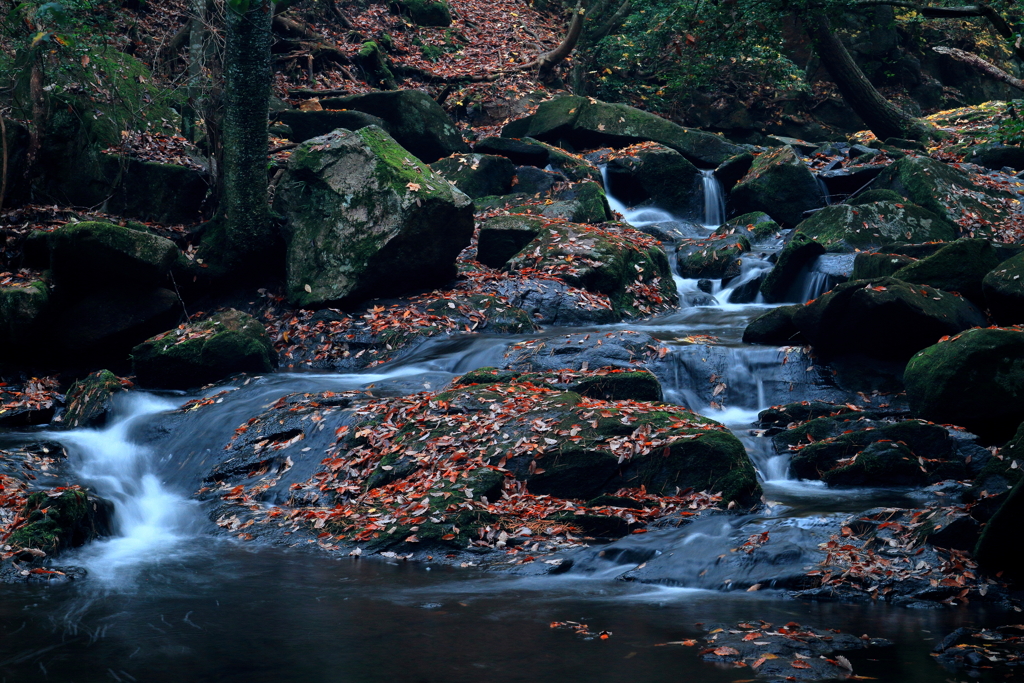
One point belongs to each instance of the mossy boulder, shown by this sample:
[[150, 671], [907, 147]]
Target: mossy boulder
[[60, 519], [609, 384], [883, 318], [960, 266], [974, 379], [204, 352], [872, 196], [757, 226], [22, 307], [425, 12], [868, 265], [715, 259], [999, 549], [586, 123], [477, 175], [90, 400], [732, 170], [415, 121], [658, 176], [946, 192], [844, 228], [794, 259], [582, 202], [364, 218], [774, 328], [1003, 288], [779, 184], [94, 253], [520, 152], [305, 125], [997, 156], [502, 237], [632, 272]]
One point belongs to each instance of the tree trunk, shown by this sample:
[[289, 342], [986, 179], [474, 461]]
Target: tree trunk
[[981, 65], [547, 62], [884, 118], [241, 239]]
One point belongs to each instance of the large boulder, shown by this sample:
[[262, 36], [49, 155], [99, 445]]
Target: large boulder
[[312, 124], [94, 253], [1004, 291], [57, 520], [477, 175], [774, 327], [658, 176], [364, 218], [416, 121], [997, 155], [716, 258], [502, 237], [999, 549], [844, 228], [794, 260], [958, 267], [868, 265], [780, 185], [108, 321], [90, 400], [883, 318], [586, 123], [624, 265], [204, 352], [974, 379], [947, 192]]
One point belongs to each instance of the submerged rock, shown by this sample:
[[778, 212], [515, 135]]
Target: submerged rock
[[203, 352], [974, 379], [365, 219]]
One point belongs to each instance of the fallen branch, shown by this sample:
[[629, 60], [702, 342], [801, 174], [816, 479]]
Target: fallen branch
[[981, 65]]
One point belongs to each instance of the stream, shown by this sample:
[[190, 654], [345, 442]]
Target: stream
[[168, 599]]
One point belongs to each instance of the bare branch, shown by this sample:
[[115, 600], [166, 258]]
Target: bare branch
[[981, 65]]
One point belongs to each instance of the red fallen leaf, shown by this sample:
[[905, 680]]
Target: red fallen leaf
[[800, 664], [605, 635], [752, 636], [726, 651], [447, 537]]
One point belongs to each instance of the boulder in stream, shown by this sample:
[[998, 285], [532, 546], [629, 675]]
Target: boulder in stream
[[91, 399], [655, 175], [846, 228], [718, 257], [365, 219], [780, 185], [1004, 291], [59, 519], [959, 266], [794, 260], [774, 327], [477, 175], [203, 352]]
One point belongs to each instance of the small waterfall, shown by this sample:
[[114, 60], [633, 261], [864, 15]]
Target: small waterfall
[[644, 215], [827, 271], [150, 520], [825, 194], [714, 200]]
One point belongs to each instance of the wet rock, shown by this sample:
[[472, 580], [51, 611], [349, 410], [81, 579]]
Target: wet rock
[[586, 123], [520, 152], [780, 185], [845, 228], [977, 652], [657, 176], [364, 219], [22, 307], [997, 156], [305, 125], [998, 548], [881, 264], [1003, 289], [531, 180], [958, 267], [714, 258], [502, 237], [758, 227], [553, 302], [943, 190], [624, 265], [91, 400], [794, 259], [204, 352], [774, 328], [608, 384], [803, 411], [974, 379], [477, 175], [730, 171], [883, 318], [60, 519], [415, 121], [790, 652]]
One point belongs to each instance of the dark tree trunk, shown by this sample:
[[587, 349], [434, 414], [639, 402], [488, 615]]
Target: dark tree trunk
[[241, 239], [885, 119]]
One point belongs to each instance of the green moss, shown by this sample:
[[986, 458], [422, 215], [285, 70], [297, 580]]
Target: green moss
[[872, 196], [21, 309], [844, 228], [56, 522]]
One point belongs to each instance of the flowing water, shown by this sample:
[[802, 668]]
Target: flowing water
[[169, 600]]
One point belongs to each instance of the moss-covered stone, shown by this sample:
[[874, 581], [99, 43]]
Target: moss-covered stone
[[975, 379], [774, 328], [883, 318], [844, 228], [944, 191], [477, 175], [415, 121], [712, 258], [872, 196], [93, 253], [756, 226], [609, 384], [1003, 289], [22, 308], [426, 12], [780, 185], [364, 219], [588, 123], [61, 519], [658, 176], [90, 400], [878, 264], [958, 267], [203, 352]]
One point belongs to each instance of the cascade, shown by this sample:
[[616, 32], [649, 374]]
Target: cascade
[[714, 200]]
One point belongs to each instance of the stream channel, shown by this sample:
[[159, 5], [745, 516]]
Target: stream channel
[[169, 599]]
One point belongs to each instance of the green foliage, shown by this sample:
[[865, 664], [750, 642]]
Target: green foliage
[[1010, 130]]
